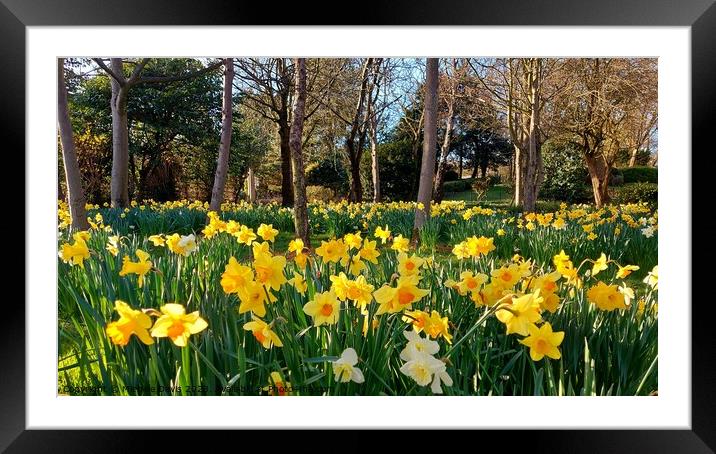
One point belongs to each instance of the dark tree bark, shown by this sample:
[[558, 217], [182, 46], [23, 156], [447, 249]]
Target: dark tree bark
[[222, 164], [599, 175], [353, 149], [300, 207], [284, 132], [73, 178], [427, 169]]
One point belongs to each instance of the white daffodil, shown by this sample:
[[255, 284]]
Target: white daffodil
[[420, 368], [344, 368], [417, 345], [441, 375], [187, 244]]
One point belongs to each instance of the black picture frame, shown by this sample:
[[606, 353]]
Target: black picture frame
[[700, 15]]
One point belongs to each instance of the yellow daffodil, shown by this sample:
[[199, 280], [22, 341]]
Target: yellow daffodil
[[359, 291], [157, 240], [277, 386], [521, 313], [560, 259], [296, 246], [543, 342], [461, 250], [625, 271], [395, 299], [253, 297], [332, 251], [75, 253], [356, 265], [479, 246], [600, 264], [235, 276], [606, 297], [269, 270], [300, 260], [409, 266], [383, 234], [233, 228], [267, 232], [245, 235], [559, 224], [263, 333], [130, 322], [507, 276], [299, 283], [177, 324], [369, 252], [470, 282], [437, 326], [140, 268], [324, 308], [400, 244], [353, 240], [417, 318]]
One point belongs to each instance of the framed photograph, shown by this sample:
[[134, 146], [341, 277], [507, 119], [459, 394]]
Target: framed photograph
[[232, 226]]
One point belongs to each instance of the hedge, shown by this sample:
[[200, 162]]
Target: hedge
[[640, 174]]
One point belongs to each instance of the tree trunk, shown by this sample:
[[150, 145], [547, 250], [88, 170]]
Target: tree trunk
[[284, 132], [427, 168], [444, 150], [73, 178], [530, 183], [483, 170], [599, 175], [460, 168], [518, 172], [356, 190], [300, 208], [251, 183], [632, 159], [374, 163], [475, 168], [222, 163], [120, 139]]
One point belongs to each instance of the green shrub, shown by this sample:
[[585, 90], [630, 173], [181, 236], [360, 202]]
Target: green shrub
[[328, 173], [319, 194], [399, 173], [565, 175], [640, 175], [458, 185], [637, 193]]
